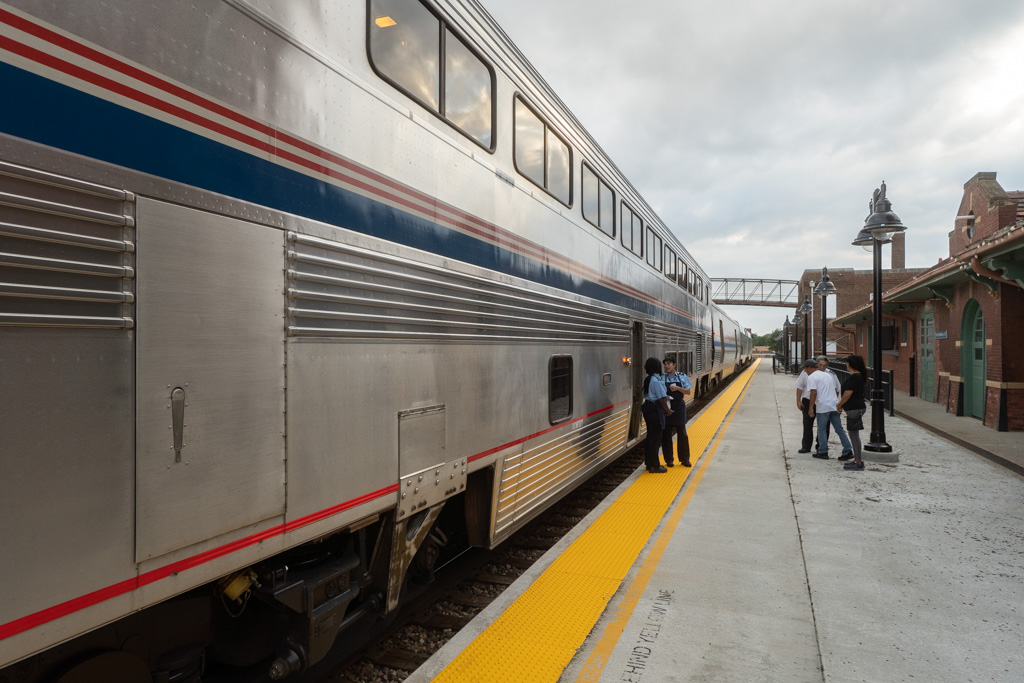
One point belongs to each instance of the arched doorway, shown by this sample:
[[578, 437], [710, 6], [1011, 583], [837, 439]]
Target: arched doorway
[[972, 359]]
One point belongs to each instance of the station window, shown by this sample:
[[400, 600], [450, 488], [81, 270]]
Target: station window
[[598, 202], [670, 263], [541, 155], [631, 229], [654, 249], [411, 48], [559, 388]]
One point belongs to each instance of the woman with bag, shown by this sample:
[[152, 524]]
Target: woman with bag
[[852, 401]]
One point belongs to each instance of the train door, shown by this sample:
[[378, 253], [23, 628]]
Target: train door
[[209, 455], [927, 356], [637, 379], [721, 340]]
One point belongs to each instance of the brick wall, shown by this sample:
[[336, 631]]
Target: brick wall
[[1015, 409]]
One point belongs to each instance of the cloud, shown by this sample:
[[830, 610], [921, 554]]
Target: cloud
[[757, 129]]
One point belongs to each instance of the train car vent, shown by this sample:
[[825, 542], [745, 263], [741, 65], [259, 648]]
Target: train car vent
[[66, 251]]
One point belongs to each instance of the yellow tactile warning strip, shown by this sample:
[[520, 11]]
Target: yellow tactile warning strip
[[603, 649], [536, 637]]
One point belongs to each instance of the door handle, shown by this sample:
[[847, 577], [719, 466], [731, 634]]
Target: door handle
[[178, 420]]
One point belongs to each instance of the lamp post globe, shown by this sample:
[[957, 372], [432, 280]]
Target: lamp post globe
[[878, 229]]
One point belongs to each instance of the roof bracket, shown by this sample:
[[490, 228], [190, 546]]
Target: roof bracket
[[942, 293], [1011, 270], [993, 286]]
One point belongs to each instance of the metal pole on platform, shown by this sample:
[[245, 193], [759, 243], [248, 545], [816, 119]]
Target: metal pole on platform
[[825, 287], [878, 229], [810, 286], [805, 310], [785, 334], [797, 357]]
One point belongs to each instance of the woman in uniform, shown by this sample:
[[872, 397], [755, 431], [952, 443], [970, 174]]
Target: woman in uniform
[[678, 386], [655, 410]]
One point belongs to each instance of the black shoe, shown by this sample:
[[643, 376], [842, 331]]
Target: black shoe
[[657, 470], [670, 464], [855, 465], [804, 450], [848, 455], [686, 464], [823, 456]]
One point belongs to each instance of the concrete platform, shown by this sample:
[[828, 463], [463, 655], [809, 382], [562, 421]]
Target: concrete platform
[[775, 566]]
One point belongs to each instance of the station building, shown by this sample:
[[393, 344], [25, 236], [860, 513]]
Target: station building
[[953, 333]]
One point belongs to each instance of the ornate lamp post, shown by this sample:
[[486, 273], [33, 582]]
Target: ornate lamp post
[[796, 334], [785, 334], [879, 227], [824, 288], [810, 286], [807, 310]]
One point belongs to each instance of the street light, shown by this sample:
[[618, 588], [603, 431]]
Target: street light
[[810, 286], [808, 311], [785, 333], [824, 288], [879, 227], [797, 319]]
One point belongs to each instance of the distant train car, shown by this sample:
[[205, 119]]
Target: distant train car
[[290, 293]]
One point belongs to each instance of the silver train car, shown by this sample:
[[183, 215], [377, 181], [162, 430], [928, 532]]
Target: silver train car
[[291, 295]]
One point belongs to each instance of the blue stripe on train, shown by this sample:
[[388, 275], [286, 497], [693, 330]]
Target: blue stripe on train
[[56, 115]]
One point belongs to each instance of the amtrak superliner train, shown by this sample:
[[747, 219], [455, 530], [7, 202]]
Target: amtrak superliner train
[[291, 293]]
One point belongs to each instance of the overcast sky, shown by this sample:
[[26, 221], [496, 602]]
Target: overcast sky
[[758, 129]]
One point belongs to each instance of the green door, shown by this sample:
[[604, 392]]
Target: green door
[[927, 356], [973, 360]]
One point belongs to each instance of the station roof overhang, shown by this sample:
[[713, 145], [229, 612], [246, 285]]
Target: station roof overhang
[[998, 259]]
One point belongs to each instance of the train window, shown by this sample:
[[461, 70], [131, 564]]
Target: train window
[[409, 49], [559, 168], [559, 389], [529, 144], [541, 155], [467, 90], [632, 230], [654, 249], [607, 209], [683, 274], [598, 202], [670, 264]]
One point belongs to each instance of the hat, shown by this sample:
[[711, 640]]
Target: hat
[[810, 363]]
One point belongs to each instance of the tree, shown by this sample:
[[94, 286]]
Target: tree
[[767, 340]]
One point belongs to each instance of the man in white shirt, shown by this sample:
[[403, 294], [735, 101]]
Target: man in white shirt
[[823, 367], [823, 406], [803, 403]]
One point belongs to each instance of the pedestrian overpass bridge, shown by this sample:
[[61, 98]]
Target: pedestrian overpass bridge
[[755, 292]]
